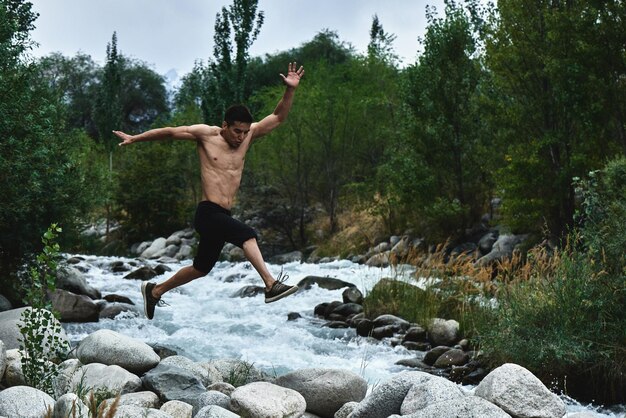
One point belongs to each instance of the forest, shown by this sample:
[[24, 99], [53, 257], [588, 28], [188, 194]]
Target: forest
[[523, 102]]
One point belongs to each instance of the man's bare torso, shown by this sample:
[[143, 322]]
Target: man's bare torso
[[221, 165]]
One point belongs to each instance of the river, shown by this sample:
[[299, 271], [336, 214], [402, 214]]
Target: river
[[204, 322]]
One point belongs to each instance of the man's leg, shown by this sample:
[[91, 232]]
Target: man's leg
[[182, 276], [253, 254]]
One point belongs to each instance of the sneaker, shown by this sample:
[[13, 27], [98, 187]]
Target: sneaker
[[279, 289], [149, 301]]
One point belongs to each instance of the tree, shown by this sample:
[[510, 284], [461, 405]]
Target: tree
[[226, 78], [558, 68], [42, 172], [435, 169]]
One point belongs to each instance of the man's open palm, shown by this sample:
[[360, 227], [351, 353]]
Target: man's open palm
[[293, 77]]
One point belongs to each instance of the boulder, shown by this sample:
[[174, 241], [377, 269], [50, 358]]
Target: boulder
[[132, 411], [72, 280], [145, 399], [202, 373], [184, 253], [10, 333], [73, 307], [157, 246], [347, 309], [248, 291], [226, 388], [173, 383], [211, 397], [13, 375], [378, 260], [113, 298], [70, 405], [214, 411], [485, 244], [386, 399], [327, 283], [416, 334], [443, 332], [346, 410], [325, 390], [113, 379], [263, 399], [434, 353], [237, 372], [111, 310], [421, 395], [67, 369], [517, 391], [396, 321], [109, 347], [466, 407], [177, 409], [5, 304], [352, 295], [142, 273], [453, 357], [25, 402]]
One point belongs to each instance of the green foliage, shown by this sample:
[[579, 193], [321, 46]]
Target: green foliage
[[567, 324], [436, 171], [558, 103], [41, 341], [157, 188]]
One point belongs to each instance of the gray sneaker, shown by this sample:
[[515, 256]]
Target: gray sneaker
[[149, 301], [279, 289]]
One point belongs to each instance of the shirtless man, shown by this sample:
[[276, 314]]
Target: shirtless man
[[222, 151]]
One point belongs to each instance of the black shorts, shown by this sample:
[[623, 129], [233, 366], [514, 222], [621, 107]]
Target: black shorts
[[216, 227]]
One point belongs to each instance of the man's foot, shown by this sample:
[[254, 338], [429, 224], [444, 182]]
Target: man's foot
[[279, 289], [149, 301]]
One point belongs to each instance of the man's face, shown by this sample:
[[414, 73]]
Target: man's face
[[235, 134]]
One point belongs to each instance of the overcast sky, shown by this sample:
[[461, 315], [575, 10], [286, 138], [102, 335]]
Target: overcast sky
[[173, 34]]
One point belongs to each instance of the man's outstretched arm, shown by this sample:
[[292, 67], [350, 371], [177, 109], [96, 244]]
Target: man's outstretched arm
[[271, 122], [180, 132]]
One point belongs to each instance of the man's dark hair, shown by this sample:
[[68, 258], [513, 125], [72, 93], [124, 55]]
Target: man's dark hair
[[237, 113]]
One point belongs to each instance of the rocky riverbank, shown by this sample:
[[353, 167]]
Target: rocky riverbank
[[161, 386]]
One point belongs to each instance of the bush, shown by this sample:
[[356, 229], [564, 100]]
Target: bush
[[566, 324]]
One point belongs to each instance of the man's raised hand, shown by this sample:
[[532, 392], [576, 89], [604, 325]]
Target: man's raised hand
[[126, 139], [293, 77]]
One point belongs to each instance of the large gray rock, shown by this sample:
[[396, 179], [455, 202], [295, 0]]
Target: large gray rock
[[13, 375], [70, 405], [466, 407], [346, 410], [73, 307], [325, 390], [24, 402], [423, 394], [396, 321], [111, 310], [100, 376], [5, 304], [154, 250], [144, 399], [214, 411], [442, 332], [71, 279], [132, 411], [109, 347], [263, 399], [66, 371], [212, 397], [517, 391], [237, 372], [177, 409], [172, 383], [202, 373], [387, 398], [10, 333], [287, 257], [327, 283]]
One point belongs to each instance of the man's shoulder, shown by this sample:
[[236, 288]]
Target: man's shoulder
[[204, 131]]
